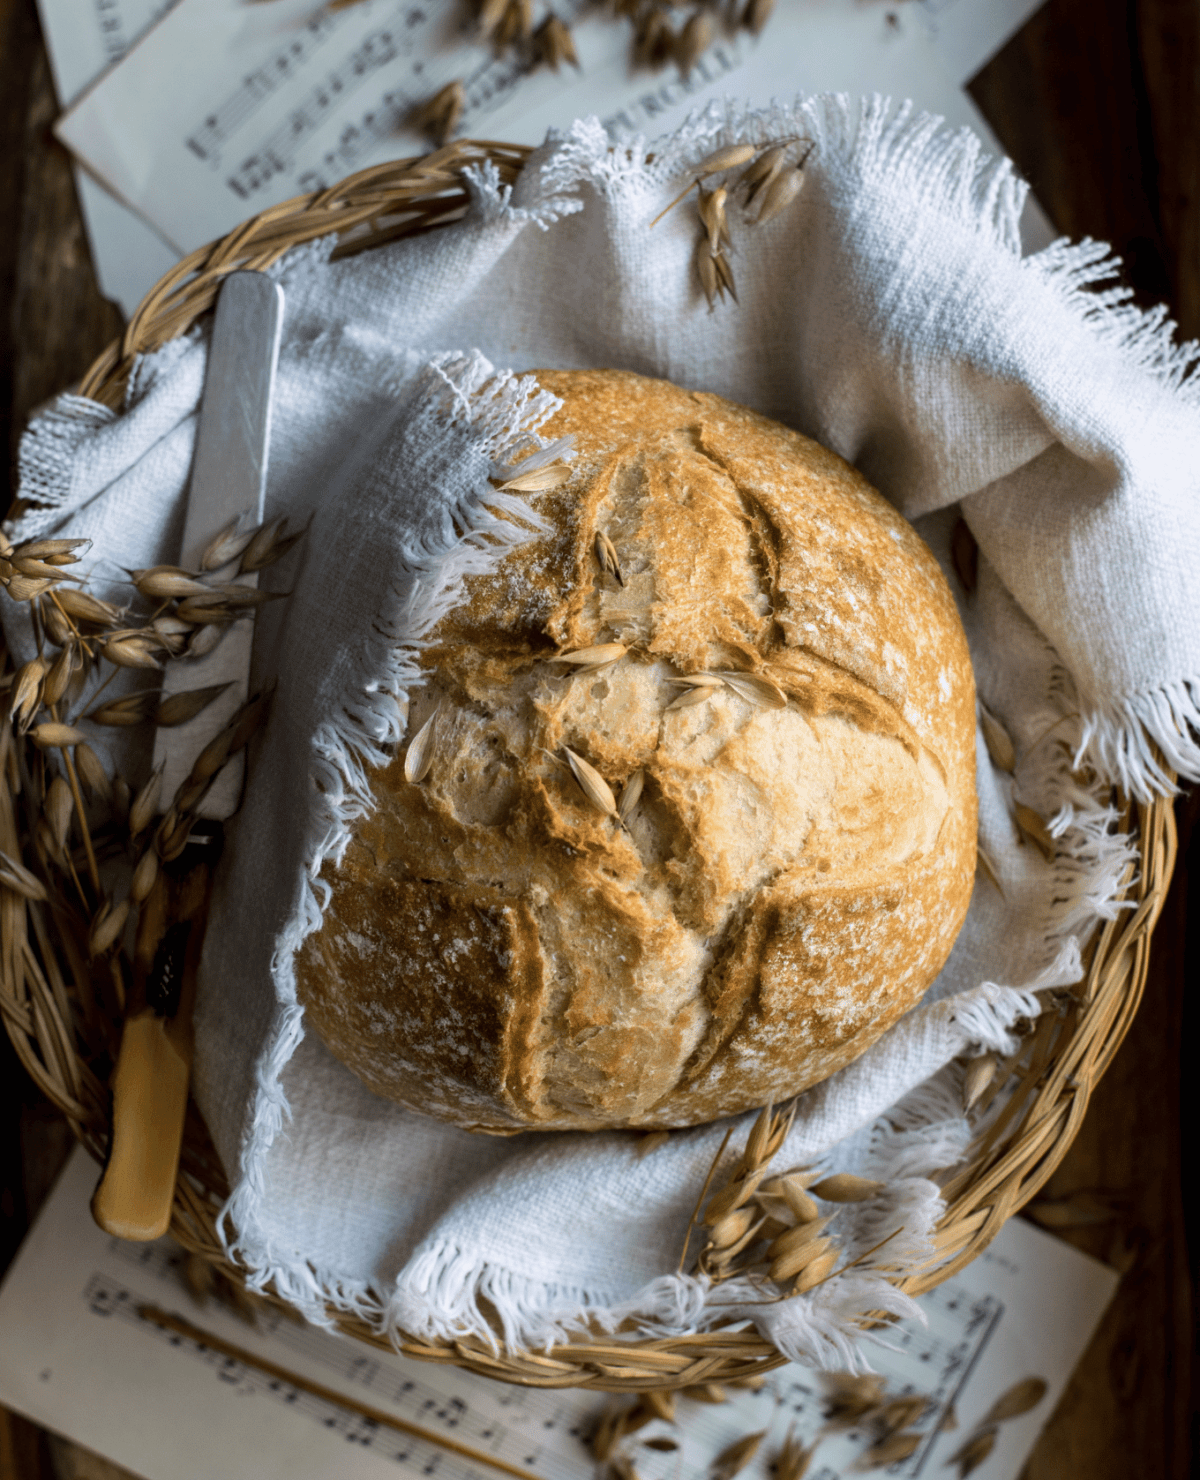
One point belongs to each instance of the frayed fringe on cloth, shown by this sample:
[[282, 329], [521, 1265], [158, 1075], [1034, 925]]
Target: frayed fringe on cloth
[[501, 414], [1139, 742], [440, 1292], [47, 457]]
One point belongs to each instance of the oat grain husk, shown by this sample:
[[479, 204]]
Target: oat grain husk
[[17, 878], [1021, 1398], [845, 1187], [92, 773], [889, 1451], [779, 194], [1033, 825], [724, 159], [998, 741], [980, 1073], [591, 783], [793, 1458], [973, 1453], [631, 794]]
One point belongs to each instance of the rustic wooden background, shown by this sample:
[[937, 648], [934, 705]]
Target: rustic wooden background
[[1098, 101]]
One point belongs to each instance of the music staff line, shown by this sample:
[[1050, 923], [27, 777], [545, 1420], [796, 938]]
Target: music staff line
[[112, 28], [493, 1443], [357, 1423], [380, 121], [489, 84], [278, 152], [954, 1355], [165, 1262], [257, 86], [961, 1327]]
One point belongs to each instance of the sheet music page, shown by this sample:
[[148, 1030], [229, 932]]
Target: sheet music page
[[968, 33], [225, 108], [83, 39], [79, 1354], [86, 37]]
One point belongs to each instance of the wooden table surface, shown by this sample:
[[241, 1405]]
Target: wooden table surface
[[1098, 102]]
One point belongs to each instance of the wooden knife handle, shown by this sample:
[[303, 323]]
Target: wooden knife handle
[[149, 1089], [150, 1084]]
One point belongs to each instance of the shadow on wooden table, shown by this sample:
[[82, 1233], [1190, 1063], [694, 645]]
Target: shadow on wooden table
[[1098, 101]]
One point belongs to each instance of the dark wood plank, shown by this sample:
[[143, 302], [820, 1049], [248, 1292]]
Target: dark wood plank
[[19, 41], [1168, 37], [1132, 1393], [53, 322], [1066, 99], [57, 322], [24, 1449], [1098, 102]]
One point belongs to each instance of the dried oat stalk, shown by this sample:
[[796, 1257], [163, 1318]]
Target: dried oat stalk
[[726, 1240], [771, 180], [553, 43], [973, 1453], [889, 1450], [736, 1456], [592, 784], [793, 1459], [507, 26], [895, 1425], [80, 816], [1021, 1398], [773, 1229], [606, 557], [418, 760], [438, 116]]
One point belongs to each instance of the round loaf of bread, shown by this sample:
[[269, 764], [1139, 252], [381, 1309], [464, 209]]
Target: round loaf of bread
[[785, 677]]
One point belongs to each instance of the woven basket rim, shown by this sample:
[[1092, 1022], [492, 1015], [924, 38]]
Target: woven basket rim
[[1055, 1068]]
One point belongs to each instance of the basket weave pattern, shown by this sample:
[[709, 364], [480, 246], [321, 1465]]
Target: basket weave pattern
[[62, 1011]]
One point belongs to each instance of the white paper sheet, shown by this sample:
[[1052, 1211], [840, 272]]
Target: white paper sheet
[[968, 33], [225, 108], [84, 38], [76, 1357]]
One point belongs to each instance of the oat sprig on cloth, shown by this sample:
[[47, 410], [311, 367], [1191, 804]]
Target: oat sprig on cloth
[[1020, 405]]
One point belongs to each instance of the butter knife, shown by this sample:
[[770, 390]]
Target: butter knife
[[228, 482]]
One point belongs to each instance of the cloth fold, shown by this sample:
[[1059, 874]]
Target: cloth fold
[[889, 315]]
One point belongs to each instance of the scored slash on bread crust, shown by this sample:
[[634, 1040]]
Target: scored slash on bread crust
[[501, 952]]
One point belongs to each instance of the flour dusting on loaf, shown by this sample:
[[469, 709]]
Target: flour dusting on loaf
[[501, 953]]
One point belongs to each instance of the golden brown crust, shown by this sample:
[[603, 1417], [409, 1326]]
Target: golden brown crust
[[499, 952]]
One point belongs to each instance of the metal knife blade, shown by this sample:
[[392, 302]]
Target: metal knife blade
[[150, 1083], [229, 473]]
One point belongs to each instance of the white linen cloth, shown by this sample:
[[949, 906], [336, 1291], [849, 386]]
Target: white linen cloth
[[887, 313]]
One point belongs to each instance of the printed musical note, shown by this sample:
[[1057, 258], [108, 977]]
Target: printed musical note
[[108, 17], [935, 1360], [102, 1300], [363, 1370], [486, 88], [205, 141], [276, 154], [716, 63], [437, 1413], [96, 1302]]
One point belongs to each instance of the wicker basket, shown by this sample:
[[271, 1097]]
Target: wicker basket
[[65, 1022]]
